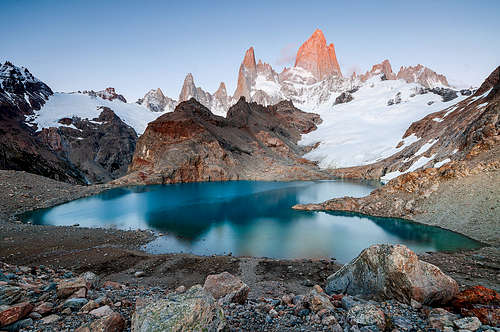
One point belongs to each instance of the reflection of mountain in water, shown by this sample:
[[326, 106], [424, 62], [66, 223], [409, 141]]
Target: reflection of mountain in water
[[409, 231], [191, 221]]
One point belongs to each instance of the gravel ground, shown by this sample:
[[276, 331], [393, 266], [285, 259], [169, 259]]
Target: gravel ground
[[469, 205]]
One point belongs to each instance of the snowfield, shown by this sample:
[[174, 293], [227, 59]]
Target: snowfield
[[67, 105], [367, 130]]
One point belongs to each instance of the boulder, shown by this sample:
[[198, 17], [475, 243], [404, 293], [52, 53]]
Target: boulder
[[366, 315], [10, 294], [468, 323], [111, 323], [383, 272], [74, 303], [102, 311], [44, 308], [91, 278], [440, 318], [51, 319], [319, 300], [15, 313], [227, 287], [194, 310], [68, 287]]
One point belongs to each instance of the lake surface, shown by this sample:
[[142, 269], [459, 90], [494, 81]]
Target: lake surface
[[248, 218]]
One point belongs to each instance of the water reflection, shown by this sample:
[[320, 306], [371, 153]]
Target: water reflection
[[248, 218]]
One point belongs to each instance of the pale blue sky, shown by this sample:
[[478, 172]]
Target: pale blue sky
[[135, 46]]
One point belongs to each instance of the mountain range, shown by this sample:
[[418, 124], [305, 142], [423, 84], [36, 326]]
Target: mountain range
[[311, 82], [91, 136]]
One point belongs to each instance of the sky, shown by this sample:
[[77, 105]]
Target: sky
[[136, 46]]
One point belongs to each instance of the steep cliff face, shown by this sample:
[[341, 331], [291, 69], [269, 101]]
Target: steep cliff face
[[252, 142], [20, 94], [101, 148], [317, 57]]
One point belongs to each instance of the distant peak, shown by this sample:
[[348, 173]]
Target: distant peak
[[317, 57], [249, 59]]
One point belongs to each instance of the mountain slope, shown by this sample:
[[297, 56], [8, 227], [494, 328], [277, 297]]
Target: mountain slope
[[461, 191], [22, 94]]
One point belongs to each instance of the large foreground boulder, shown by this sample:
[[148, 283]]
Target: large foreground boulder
[[227, 287], [194, 310], [383, 272]]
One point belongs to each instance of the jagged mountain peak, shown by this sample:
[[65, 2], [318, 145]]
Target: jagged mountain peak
[[249, 59], [317, 57], [423, 75], [383, 68]]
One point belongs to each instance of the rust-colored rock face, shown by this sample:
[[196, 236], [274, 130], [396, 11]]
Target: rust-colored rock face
[[246, 75], [317, 57], [252, 142]]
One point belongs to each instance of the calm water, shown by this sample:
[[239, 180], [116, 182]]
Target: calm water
[[248, 218]]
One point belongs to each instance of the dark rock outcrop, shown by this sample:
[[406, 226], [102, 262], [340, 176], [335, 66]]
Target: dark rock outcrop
[[344, 97], [252, 142], [20, 149], [108, 94], [101, 148]]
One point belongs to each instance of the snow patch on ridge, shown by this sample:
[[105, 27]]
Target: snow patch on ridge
[[416, 165], [68, 105]]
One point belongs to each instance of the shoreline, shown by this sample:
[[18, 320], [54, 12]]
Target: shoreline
[[115, 253]]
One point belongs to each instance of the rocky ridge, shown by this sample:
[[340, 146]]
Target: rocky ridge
[[107, 94], [252, 142]]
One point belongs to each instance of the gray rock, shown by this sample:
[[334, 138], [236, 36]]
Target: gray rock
[[193, 310], [440, 318], [74, 303], [383, 272], [468, 323], [19, 325], [10, 294], [91, 278], [366, 315]]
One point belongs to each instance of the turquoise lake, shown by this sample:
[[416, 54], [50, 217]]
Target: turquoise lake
[[248, 218]]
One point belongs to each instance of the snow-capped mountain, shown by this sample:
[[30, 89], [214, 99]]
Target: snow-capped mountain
[[370, 126], [156, 101], [87, 105], [364, 116]]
